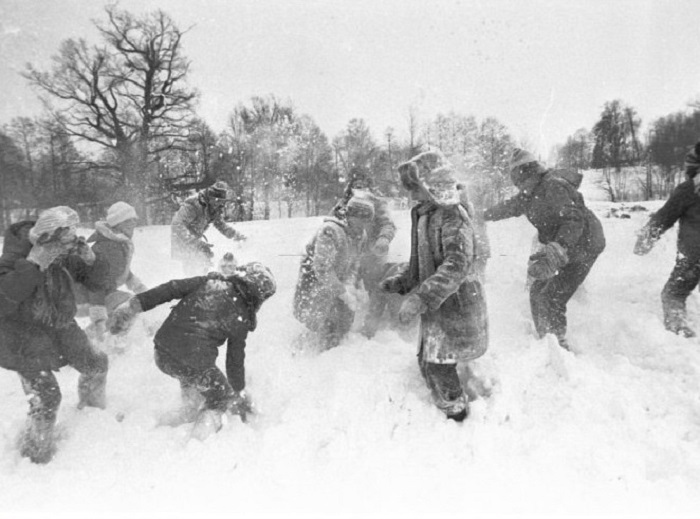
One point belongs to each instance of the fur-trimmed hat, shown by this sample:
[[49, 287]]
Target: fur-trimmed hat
[[432, 172], [360, 206], [120, 212], [52, 220]]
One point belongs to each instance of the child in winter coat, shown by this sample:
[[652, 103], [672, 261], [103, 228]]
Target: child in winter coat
[[191, 222], [683, 206], [38, 331], [324, 298], [571, 235], [213, 309], [373, 257], [441, 283], [114, 249]]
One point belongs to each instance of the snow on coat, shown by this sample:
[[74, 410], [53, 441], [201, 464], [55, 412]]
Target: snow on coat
[[191, 222], [35, 306], [209, 313], [442, 273], [558, 212], [331, 261]]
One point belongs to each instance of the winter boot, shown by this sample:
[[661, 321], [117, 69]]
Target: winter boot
[[209, 421], [675, 316], [92, 390], [192, 402], [37, 442]]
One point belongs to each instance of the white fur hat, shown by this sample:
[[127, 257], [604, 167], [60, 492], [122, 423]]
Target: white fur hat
[[120, 212]]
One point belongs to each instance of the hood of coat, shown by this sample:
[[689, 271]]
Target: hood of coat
[[105, 232], [16, 244]]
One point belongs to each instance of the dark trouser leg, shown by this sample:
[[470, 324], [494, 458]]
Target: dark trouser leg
[[336, 325], [91, 363], [548, 298], [210, 382], [683, 280], [45, 397], [445, 387]]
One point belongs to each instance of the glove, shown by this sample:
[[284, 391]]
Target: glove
[[381, 247], [391, 285], [546, 263], [646, 239], [206, 248], [123, 316], [411, 308], [84, 251], [44, 255], [241, 404]]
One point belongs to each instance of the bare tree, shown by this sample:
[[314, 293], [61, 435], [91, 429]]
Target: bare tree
[[128, 95]]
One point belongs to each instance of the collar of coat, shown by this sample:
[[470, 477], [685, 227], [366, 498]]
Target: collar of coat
[[101, 228]]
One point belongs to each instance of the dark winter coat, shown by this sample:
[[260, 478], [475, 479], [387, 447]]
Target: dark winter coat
[[331, 261], [35, 304], [442, 273], [209, 313], [558, 212], [114, 251], [682, 206], [191, 222]]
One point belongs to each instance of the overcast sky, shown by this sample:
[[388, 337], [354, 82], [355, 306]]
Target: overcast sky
[[543, 68]]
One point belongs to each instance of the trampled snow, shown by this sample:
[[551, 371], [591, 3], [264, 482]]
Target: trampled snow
[[613, 429]]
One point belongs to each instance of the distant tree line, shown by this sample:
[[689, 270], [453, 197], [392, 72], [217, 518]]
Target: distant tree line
[[634, 165], [120, 123]]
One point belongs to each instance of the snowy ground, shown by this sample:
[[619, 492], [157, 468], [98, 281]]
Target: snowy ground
[[612, 430]]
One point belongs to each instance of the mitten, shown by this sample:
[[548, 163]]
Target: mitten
[[241, 404], [124, 315], [136, 285], [546, 263], [411, 308], [391, 285], [646, 239], [206, 248], [84, 251], [381, 247]]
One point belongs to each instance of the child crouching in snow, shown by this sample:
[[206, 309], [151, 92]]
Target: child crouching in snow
[[213, 309]]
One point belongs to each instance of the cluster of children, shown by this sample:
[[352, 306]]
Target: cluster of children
[[46, 270]]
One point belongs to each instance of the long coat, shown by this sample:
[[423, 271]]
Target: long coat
[[683, 206], [37, 308], [191, 222], [210, 312], [558, 212], [331, 260], [442, 272]]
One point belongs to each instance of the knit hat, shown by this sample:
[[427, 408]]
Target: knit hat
[[52, 222], [227, 265], [360, 206], [521, 157], [261, 279], [120, 212]]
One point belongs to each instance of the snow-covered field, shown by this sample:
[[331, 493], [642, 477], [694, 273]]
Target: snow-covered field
[[612, 430]]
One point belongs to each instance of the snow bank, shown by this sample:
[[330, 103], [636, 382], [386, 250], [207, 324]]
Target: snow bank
[[613, 429]]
